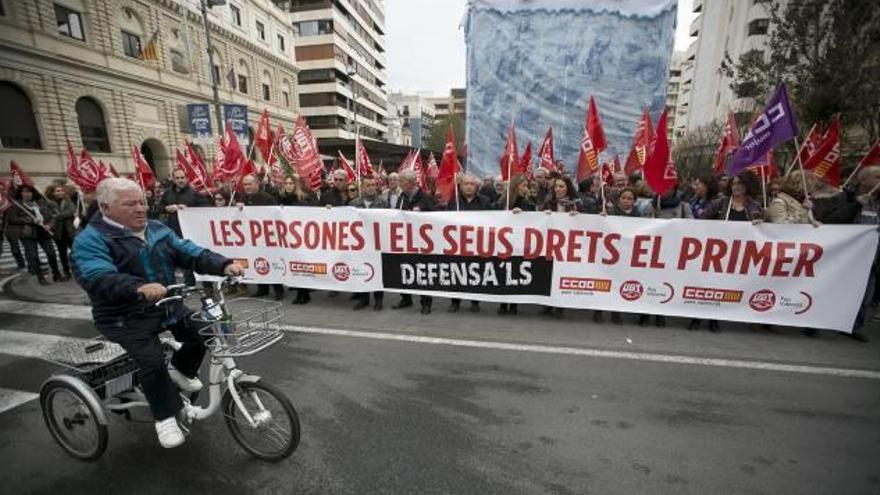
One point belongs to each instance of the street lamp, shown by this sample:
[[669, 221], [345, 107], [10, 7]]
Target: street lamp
[[206, 4], [350, 71]]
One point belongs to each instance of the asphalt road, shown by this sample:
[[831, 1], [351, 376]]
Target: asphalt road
[[476, 403]]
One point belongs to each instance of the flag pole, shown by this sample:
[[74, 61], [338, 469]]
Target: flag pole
[[798, 150], [455, 179], [801, 165], [601, 186], [764, 184]]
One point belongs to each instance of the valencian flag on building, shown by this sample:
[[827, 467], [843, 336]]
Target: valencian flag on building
[[592, 143], [641, 140], [773, 127], [546, 151], [825, 162], [151, 49], [729, 142]]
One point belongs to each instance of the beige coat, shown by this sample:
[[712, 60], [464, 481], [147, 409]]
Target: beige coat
[[785, 209]]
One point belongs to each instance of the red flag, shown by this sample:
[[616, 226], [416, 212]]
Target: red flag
[[546, 151], [143, 172], [364, 167], [433, 171], [659, 168], [349, 171], [247, 168], [812, 142], [765, 166], [85, 176], [525, 162], [229, 159], [263, 138], [873, 156], [510, 158], [88, 167], [306, 159], [641, 140], [607, 173], [19, 177], [729, 142], [592, 143], [197, 174], [825, 162], [5, 202], [449, 168], [414, 162]]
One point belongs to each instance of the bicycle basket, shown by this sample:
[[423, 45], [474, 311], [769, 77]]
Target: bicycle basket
[[103, 365], [253, 326]]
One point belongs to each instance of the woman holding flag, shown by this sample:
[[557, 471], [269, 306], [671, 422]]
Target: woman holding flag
[[30, 220]]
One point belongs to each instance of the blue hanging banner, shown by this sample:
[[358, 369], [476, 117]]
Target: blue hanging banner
[[199, 116], [237, 116]]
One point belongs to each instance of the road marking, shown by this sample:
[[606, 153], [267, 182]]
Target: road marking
[[10, 399], [84, 313]]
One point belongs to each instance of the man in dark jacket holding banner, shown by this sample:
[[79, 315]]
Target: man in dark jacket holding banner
[[412, 198], [124, 262], [369, 199], [253, 196], [469, 199]]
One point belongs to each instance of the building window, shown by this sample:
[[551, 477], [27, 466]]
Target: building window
[[313, 28], [266, 92], [91, 125], [18, 128], [215, 74], [261, 30], [281, 45], [69, 22], [131, 44], [178, 62], [286, 97], [759, 27], [242, 83], [236, 15]]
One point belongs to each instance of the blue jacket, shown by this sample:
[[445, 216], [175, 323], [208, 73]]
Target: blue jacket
[[110, 263]]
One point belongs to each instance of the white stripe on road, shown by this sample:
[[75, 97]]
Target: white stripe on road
[[10, 399], [84, 313]]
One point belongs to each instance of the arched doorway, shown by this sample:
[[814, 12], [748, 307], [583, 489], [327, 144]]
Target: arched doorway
[[156, 154]]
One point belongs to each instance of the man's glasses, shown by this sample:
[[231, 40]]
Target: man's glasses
[[352, 190]]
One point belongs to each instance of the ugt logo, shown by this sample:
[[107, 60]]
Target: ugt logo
[[341, 271], [762, 300], [261, 266], [631, 290]]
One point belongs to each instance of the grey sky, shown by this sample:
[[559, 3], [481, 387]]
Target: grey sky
[[426, 51]]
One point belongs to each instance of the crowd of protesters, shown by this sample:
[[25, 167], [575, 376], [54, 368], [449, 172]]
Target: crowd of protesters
[[47, 221]]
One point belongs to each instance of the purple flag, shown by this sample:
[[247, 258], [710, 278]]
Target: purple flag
[[773, 127]]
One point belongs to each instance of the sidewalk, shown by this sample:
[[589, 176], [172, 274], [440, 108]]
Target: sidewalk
[[26, 288]]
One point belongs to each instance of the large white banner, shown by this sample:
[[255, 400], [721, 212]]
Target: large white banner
[[779, 274]]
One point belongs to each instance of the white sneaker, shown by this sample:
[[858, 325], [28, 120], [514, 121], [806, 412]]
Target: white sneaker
[[183, 382], [169, 433]]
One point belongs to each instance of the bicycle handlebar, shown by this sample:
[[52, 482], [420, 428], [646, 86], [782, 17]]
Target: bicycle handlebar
[[179, 292]]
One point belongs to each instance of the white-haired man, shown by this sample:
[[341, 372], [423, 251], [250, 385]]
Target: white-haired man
[[124, 262], [412, 198]]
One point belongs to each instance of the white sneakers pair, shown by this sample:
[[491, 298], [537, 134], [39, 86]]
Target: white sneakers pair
[[168, 430]]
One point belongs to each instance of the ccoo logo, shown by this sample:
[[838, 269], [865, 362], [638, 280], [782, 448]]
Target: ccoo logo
[[631, 290], [762, 300], [261, 266], [341, 271]]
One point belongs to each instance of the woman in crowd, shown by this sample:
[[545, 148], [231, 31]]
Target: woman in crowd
[[31, 224], [219, 199], [62, 210], [520, 201], [791, 204], [292, 193], [351, 192], [738, 205], [705, 190], [564, 199], [625, 207], [644, 200]]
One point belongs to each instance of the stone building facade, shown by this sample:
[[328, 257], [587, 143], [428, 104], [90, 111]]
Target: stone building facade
[[76, 70]]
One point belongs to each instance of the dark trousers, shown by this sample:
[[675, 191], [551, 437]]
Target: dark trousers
[[140, 339], [364, 297], [15, 247], [64, 244], [423, 300], [33, 258]]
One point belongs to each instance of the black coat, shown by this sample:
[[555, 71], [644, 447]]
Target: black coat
[[186, 196], [841, 208], [477, 203], [419, 200], [259, 198]]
